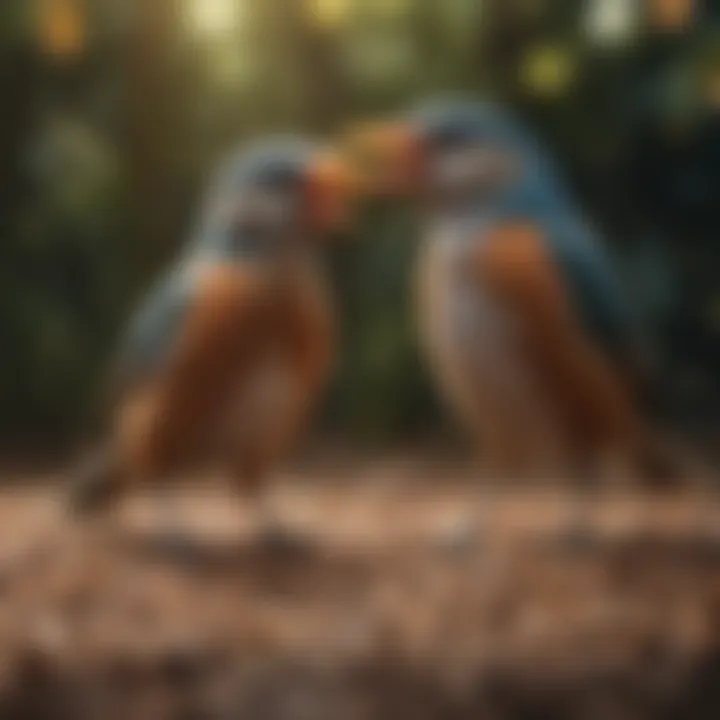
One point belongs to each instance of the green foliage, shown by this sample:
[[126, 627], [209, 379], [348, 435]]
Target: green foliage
[[381, 388], [58, 300], [102, 158]]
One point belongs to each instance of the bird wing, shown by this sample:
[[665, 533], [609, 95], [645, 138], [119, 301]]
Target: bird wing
[[154, 329], [595, 290], [213, 344], [519, 266]]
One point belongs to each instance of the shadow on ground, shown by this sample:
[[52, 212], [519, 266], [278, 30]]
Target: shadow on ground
[[390, 611]]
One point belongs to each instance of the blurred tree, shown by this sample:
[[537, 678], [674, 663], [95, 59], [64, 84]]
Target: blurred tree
[[62, 28], [114, 111], [155, 134]]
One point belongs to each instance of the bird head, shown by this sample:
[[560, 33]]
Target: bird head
[[451, 150], [278, 194]]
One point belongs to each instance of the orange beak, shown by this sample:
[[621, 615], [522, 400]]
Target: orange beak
[[388, 157], [333, 189]]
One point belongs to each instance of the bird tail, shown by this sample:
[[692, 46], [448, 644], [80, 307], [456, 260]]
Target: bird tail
[[96, 482], [665, 460]]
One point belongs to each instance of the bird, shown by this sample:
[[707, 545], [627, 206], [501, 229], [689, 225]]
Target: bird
[[227, 357], [522, 316]]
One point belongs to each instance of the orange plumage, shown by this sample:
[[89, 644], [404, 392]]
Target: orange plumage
[[242, 323], [227, 359]]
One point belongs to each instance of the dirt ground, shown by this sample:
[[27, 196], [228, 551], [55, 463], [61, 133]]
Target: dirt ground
[[414, 594]]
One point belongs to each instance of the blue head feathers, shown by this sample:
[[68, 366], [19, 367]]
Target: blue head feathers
[[276, 165], [538, 190], [538, 195], [275, 161]]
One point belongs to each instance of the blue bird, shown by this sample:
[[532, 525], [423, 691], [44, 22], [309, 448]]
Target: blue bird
[[227, 357], [521, 313]]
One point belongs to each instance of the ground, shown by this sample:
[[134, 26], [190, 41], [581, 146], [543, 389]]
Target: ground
[[417, 595]]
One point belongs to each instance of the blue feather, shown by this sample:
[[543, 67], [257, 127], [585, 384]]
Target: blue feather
[[540, 197], [154, 330]]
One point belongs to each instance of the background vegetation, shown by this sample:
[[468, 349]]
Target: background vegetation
[[112, 111]]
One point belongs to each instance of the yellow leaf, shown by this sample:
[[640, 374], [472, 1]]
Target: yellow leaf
[[672, 14], [62, 27], [549, 70], [330, 12]]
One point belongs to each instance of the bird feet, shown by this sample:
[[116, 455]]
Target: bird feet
[[94, 485], [459, 536], [578, 537], [278, 540]]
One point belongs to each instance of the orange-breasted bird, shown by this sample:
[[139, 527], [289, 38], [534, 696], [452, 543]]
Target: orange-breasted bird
[[227, 358], [521, 314]]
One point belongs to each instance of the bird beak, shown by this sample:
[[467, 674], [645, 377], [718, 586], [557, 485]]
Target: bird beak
[[333, 187], [387, 157]]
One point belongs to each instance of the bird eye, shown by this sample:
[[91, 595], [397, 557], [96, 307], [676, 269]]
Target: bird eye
[[478, 167], [248, 240], [455, 168], [259, 221], [272, 209]]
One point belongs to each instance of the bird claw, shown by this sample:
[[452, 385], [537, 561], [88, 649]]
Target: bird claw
[[458, 537], [177, 545], [90, 495], [277, 539], [578, 539]]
